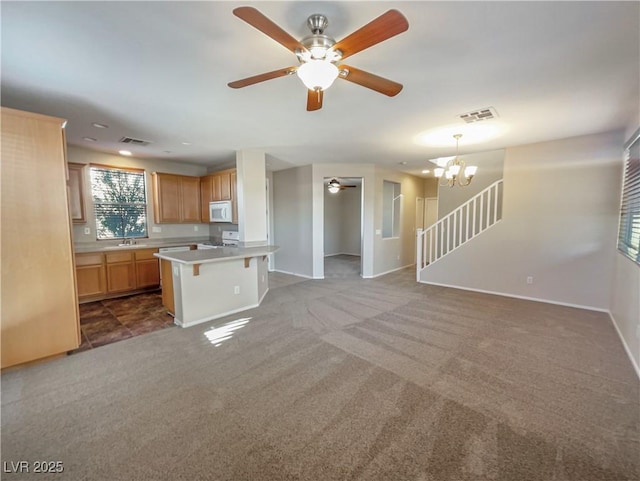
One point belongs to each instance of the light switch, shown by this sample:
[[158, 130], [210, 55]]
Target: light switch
[[87, 231], [378, 232]]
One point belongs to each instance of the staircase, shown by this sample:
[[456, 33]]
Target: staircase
[[459, 227]]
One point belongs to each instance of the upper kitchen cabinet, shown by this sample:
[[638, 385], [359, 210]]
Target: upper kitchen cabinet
[[214, 187], [39, 300], [76, 192], [176, 199]]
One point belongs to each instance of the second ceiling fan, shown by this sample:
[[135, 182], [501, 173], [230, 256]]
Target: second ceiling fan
[[321, 57]]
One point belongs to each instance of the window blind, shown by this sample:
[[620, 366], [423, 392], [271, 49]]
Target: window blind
[[119, 198], [629, 231]]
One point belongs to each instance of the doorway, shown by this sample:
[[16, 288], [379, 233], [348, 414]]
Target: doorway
[[343, 224]]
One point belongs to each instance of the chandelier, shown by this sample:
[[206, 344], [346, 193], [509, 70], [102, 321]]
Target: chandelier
[[455, 171]]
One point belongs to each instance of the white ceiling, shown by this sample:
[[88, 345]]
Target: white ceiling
[[158, 71]]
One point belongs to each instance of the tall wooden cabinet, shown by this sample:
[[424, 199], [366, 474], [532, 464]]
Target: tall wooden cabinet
[[39, 312]]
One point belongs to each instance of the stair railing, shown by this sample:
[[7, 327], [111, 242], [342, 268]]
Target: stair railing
[[460, 226]]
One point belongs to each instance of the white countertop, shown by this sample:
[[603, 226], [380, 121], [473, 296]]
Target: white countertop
[[110, 246], [219, 254]]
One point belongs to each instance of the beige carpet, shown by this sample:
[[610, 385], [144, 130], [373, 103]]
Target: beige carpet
[[341, 379]]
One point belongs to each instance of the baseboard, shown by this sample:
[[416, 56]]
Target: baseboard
[[634, 363], [180, 323], [516, 296], [388, 272], [296, 274], [342, 254]]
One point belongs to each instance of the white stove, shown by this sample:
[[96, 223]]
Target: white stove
[[230, 238]]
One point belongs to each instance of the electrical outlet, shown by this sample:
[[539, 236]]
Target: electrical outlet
[[378, 232], [263, 281], [87, 231], [195, 228], [156, 229], [529, 279], [236, 290], [398, 257]]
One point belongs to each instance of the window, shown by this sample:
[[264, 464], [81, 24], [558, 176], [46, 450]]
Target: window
[[390, 209], [119, 199], [629, 233]]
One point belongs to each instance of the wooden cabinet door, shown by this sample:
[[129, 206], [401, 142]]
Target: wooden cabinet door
[[39, 302], [225, 185], [91, 281], [216, 188], [147, 273], [190, 197], [205, 197], [76, 192], [168, 300], [166, 198], [121, 277]]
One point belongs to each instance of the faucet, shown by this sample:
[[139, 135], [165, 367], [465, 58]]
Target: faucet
[[128, 242]]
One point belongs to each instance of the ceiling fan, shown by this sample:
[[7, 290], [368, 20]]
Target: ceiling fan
[[334, 186], [321, 57]]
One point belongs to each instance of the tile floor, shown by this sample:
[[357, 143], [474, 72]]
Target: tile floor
[[112, 320]]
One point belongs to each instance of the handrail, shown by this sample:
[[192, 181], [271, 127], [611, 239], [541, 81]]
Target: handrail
[[460, 226]]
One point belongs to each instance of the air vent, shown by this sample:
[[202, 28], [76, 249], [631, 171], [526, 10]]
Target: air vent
[[478, 115], [132, 141]]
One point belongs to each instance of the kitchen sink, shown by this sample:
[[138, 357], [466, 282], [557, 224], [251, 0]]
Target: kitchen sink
[[125, 246]]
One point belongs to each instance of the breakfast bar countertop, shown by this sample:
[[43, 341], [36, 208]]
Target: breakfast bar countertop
[[218, 254]]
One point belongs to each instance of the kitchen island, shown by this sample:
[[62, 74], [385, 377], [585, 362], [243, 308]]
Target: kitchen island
[[205, 284]]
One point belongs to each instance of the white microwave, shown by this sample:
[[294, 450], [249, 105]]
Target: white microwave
[[220, 211]]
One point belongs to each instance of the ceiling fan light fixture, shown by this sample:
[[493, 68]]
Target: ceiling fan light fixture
[[333, 189], [317, 74]]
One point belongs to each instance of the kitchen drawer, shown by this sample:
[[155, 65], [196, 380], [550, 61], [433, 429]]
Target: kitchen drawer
[[89, 259], [143, 254], [119, 257]]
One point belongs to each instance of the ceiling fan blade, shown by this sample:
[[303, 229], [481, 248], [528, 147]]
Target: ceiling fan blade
[[314, 100], [261, 78], [254, 18], [371, 81], [378, 30]]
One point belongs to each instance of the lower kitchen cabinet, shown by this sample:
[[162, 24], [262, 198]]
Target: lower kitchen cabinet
[[113, 274], [147, 268], [121, 274], [91, 275], [168, 300]]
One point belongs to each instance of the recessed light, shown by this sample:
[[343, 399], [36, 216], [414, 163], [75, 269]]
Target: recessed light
[[186, 143], [426, 171], [89, 139], [126, 153], [100, 126], [403, 162]]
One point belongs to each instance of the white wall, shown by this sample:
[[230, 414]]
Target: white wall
[[252, 198], [560, 217], [80, 155], [394, 253], [342, 214], [625, 290], [292, 220], [490, 169]]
